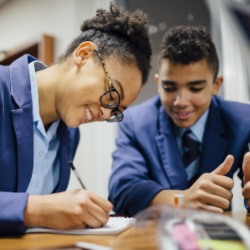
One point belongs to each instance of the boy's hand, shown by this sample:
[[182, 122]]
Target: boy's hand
[[212, 191]]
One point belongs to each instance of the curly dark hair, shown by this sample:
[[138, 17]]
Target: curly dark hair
[[188, 44], [120, 34]]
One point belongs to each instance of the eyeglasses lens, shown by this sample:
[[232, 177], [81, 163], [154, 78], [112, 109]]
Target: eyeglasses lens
[[110, 99], [116, 116]]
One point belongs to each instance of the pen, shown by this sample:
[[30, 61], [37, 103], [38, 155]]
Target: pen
[[76, 174], [248, 146]]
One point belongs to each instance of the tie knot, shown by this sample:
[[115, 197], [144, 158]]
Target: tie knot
[[189, 140]]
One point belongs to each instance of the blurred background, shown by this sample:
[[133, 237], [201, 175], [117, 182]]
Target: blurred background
[[45, 28]]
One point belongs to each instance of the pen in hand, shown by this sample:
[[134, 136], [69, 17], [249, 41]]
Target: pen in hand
[[248, 146], [76, 174]]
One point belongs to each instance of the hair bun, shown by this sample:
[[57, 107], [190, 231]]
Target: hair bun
[[118, 22]]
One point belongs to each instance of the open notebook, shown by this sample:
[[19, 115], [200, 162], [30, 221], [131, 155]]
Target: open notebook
[[115, 225]]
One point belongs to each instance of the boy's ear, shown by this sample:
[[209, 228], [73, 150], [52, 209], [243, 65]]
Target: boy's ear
[[83, 52], [217, 85]]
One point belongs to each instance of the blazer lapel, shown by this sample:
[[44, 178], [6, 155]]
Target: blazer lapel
[[216, 141], [22, 120], [170, 153]]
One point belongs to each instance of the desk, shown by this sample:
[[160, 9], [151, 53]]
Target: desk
[[35, 241], [132, 239]]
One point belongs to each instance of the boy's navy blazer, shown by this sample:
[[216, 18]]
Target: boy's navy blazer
[[147, 159], [16, 145]]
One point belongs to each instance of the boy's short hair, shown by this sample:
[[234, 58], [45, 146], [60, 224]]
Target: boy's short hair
[[189, 44]]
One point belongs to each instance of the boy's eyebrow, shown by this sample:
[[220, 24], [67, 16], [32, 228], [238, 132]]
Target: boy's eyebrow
[[197, 82], [168, 82], [189, 83]]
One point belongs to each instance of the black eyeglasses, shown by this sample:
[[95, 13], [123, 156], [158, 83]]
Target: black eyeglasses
[[111, 98]]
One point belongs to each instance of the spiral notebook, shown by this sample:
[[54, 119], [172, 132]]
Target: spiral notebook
[[115, 225]]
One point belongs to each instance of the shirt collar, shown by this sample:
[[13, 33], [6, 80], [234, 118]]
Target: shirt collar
[[33, 67], [51, 133]]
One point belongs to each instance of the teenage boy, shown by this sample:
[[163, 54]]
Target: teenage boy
[[185, 141]]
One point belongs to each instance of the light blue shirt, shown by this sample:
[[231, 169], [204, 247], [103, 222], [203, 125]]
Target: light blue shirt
[[198, 131], [45, 175]]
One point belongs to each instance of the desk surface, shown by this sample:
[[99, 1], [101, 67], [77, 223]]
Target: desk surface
[[130, 239]]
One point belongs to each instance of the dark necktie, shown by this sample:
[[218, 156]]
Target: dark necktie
[[191, 148]]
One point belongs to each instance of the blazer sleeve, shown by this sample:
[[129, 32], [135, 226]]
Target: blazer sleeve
[[12, 207], [130, 187]]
